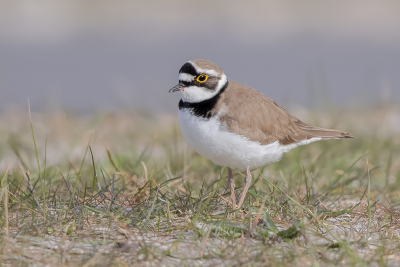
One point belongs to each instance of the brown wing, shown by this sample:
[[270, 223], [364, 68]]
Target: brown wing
[[259, 118]]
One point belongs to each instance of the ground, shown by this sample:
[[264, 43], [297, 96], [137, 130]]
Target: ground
[[123, 189]]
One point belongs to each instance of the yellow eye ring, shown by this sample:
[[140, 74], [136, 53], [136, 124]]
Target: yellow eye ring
[[202, 78]]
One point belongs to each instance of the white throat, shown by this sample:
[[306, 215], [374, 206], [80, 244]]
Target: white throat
[[195, 94]]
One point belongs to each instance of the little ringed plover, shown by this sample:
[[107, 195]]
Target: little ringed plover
[[236, 126]]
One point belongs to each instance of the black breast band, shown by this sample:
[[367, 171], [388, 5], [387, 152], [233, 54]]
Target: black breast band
[[203, 109]]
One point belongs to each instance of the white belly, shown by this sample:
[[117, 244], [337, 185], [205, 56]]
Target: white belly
[[212, 140]]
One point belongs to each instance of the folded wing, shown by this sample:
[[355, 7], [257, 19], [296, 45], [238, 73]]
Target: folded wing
[[260, 119]]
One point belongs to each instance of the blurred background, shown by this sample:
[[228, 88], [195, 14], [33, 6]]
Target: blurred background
[[86, 56]]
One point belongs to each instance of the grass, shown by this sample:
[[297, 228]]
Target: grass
[[123, 189]]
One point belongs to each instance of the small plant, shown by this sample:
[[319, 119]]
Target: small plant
[[121, 190]]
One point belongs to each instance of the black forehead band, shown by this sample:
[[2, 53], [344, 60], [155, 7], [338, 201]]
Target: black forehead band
[[188, 68]]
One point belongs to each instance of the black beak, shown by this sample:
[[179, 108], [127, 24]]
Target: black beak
[[176, 87]]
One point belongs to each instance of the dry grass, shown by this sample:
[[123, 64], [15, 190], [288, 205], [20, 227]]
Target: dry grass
[[123, 189]]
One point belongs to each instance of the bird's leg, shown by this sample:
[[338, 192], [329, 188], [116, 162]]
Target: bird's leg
[[247, 181], [232, 184]]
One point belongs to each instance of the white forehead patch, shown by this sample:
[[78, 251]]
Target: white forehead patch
[[186, 77]]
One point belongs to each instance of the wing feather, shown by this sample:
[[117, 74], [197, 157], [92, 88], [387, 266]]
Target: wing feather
[[260, 119]]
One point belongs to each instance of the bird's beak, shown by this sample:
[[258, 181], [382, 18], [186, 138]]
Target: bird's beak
[[177, 87]]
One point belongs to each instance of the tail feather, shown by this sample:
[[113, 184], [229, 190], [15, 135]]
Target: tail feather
[[324, 133]]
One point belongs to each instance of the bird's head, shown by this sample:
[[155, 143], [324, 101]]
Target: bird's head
[[199, 80]]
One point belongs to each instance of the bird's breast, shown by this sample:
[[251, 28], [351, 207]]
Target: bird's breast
[[211, 139]]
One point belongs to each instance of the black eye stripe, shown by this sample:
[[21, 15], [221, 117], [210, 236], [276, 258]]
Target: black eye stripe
[[185, 83]]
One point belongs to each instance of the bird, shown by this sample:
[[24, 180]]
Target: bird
[[236, 126]]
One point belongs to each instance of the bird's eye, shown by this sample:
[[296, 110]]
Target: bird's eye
[[202, 78]]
